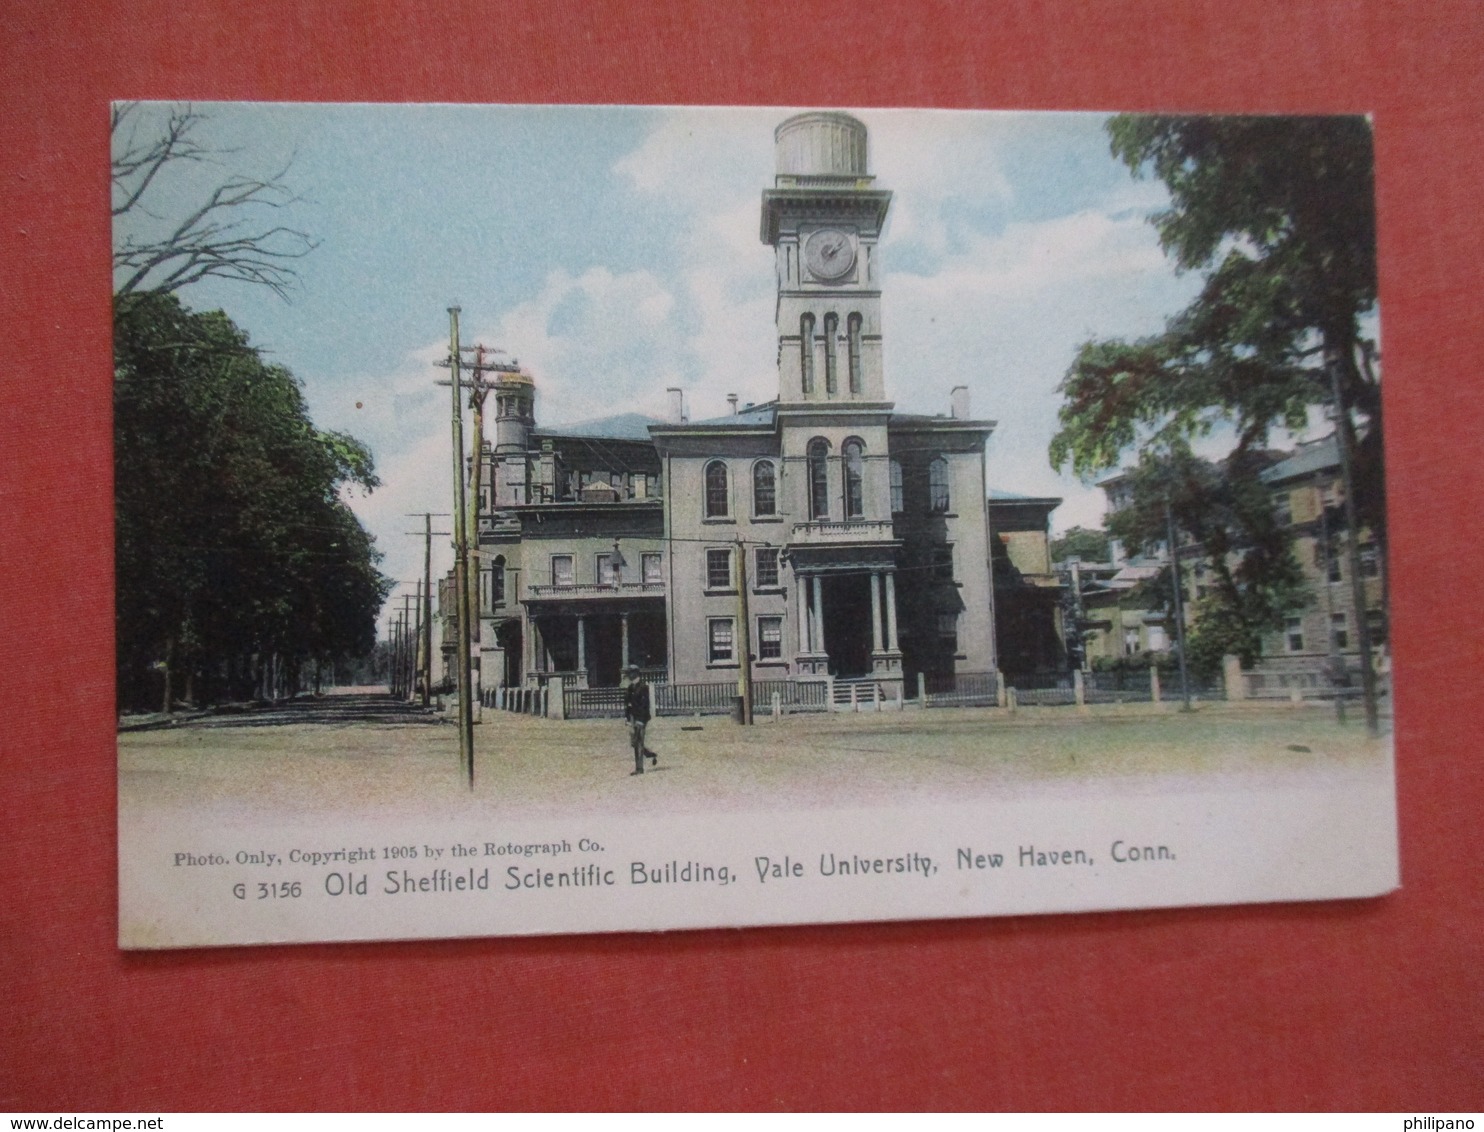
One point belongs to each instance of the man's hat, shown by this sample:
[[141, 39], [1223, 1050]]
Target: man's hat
[[633, 668]]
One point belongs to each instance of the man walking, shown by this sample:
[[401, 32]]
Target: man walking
[[636, 712]]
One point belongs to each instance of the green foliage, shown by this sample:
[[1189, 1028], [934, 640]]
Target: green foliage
[[1226, 511], [232, 540], [1088, 545], [1279, 214]]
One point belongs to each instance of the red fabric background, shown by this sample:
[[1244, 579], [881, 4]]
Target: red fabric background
[[1373, 1004]]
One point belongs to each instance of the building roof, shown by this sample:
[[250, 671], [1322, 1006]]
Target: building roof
[[938, 420], [998, 496], [751, 417], [624, 426], [1316, 456]]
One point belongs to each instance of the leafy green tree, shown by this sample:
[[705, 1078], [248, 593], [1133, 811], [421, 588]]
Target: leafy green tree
[[1088, 545], [1278, 213], [233, 544], [1222, 511]]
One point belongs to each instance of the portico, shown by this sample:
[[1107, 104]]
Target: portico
[[592, 643], [846, 610]]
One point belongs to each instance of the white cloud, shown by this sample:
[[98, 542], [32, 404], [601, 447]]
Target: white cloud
[[999, 305], [1004, 316], [929, 158]]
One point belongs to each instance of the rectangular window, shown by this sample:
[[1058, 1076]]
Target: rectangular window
[[1157, 641], [721, 640], [718, 569], [561, 570], [652, 576], [769, 638], [1335, 572], [941, 562], [1375, 621], [603, 569], [938, 501], [765, 573], [1283, 509], [897, 503], [948, 631], [1295, 634], [1339, 628], [1370, 562]]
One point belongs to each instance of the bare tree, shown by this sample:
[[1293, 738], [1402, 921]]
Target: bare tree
[[224, 235]]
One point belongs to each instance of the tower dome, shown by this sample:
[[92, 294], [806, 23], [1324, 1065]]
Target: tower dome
[[820, 143], [515, 407]]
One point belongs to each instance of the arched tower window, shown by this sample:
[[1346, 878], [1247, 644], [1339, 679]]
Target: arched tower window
[[853, 329], [806, 352], [938, 485], [819, 478], [716, 490], [831, 365], [855, 478], [764, 489]]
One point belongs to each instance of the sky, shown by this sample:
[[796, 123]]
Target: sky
[[615, 251]]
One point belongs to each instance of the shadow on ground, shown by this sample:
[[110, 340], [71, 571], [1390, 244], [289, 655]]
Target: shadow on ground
[[345, 710]]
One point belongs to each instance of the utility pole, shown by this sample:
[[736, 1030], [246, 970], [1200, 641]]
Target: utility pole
[[1179, 606], [478, 390], [391, 667], [425, 601], [461, 559], [1357, 583], [409, 651], [466, 505], [744, 636]]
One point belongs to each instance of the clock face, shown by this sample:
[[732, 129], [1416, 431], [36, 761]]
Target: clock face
[[829, 254]]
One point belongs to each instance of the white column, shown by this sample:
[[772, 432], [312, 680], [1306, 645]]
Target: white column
[[801, 610], [582, 645], [818, 642], [891, 610], [875, 611], [623, 622]]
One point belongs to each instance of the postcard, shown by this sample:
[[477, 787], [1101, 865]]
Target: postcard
[[543, 519]]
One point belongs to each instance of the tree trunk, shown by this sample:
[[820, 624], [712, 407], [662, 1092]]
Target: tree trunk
[[169, 660]]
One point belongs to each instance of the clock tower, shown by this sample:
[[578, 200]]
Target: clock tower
[[823, 217]]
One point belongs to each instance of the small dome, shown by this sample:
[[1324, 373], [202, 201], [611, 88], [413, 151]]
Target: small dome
[[820, 143]]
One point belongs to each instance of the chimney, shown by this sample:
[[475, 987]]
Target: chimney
[[677, 404], [958, 400], [732, 401]]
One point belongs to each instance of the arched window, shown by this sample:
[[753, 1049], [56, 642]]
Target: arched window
[[938, 485], [853, 326], [716, 490], [819, 478], [897, 503], [764, 489], [831, 332], [806, 352], [855, 486]]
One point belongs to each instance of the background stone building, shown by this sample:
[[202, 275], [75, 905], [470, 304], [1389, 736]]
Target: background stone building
[[821, 533]]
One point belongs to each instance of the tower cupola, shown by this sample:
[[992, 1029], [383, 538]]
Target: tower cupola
[[824, 217]]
